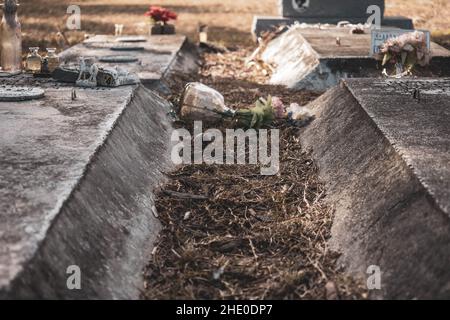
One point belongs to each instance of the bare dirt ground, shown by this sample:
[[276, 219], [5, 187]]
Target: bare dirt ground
[[229, 20]]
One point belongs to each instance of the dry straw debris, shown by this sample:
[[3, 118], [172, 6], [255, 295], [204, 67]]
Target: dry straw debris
[[230, 233]]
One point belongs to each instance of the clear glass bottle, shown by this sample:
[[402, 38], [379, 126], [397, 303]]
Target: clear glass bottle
[[11, 38], [34, 61], [52, 59]]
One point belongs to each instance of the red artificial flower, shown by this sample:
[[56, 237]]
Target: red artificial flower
[[159, 14]]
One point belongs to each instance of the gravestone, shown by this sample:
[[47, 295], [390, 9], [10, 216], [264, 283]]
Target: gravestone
[[328, 8], [326, 12]]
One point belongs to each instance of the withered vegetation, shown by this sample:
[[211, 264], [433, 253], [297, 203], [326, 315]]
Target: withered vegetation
[[230, 233]]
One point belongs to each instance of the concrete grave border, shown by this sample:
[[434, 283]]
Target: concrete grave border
[[98, 186], [391, 206]]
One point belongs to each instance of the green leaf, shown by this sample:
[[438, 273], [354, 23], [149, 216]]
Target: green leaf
[[269, 102], [387, 57], [254, 120]]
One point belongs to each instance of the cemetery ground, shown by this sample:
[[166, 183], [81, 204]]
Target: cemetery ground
[[254, 237], [251, 236]]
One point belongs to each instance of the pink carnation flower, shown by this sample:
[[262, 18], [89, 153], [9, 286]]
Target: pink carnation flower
[[279, 109]]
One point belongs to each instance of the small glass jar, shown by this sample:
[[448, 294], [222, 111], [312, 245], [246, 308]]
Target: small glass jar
[[34, 61], [52, 59]]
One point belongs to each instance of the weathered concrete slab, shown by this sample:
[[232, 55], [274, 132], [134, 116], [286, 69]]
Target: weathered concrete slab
[[76, 182], [77, 176], [385, 157], [310, 58], [266, 23], [162, 56], [419, 129], [328, 8]]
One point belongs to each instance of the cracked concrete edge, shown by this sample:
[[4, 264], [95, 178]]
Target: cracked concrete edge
[[384, 216], [292, 67], [107, 220], [304, 68]]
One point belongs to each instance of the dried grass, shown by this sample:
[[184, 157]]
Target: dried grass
[[255, 237]]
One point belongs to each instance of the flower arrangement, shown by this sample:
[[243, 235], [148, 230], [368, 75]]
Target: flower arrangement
[[266, 111], [405, 52], [160, 15], [262, 114], [202, 103]]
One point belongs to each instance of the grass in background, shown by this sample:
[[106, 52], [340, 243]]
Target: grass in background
[[229, 20]]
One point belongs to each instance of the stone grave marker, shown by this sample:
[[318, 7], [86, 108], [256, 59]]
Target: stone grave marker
[[328, 8], [326, 12], [310, 58]]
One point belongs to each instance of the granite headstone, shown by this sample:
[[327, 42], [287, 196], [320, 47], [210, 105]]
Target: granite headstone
[[328, 8]]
